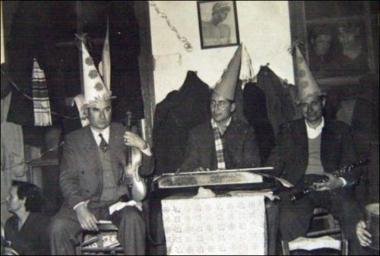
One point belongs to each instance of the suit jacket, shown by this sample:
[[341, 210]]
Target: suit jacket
[[174, 117], [81, 172], [32, 238], [240, 147], [290, 156]]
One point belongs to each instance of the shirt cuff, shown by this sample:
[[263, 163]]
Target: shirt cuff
[[147, 150], [78, 204], [343, 180]]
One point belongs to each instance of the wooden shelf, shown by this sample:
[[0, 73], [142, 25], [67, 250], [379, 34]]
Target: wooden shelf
[[337, 81], [44, 162], [324, 20]]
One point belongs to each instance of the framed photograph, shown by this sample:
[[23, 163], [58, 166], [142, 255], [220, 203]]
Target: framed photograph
[[218, 24], [339, 39], [337, 49]]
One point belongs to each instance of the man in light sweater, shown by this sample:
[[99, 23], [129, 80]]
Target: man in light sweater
[[308, 149]]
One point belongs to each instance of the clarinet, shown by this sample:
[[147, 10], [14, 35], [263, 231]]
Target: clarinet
[[298, 194]]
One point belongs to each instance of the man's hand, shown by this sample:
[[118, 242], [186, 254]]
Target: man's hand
[[363, 235], [332, 183], [133, 140], [86, 219]]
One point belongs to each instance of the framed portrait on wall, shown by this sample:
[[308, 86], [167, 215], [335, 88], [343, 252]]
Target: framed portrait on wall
[[218, 24], [338, 49], [339, 39]]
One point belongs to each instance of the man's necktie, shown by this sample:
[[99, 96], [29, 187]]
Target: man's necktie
[[103, 144]]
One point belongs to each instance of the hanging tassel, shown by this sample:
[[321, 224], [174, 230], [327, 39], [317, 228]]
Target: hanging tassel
[[41, 103]]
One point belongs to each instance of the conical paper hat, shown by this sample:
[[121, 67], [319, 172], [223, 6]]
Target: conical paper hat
[[227, 83], [307, 85], [105, 64], [94, 87], [80, 104], [247, 73]]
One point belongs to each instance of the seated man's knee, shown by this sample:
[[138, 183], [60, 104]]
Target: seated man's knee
[[132, 213], [58, 227]]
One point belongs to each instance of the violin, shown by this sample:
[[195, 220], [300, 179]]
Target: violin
[[134, 156]]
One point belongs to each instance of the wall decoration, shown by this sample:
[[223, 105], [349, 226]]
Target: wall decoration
[[337, 49], [339, 39], [218, 24]]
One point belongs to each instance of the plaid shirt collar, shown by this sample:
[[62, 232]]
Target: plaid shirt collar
[[214, 125]]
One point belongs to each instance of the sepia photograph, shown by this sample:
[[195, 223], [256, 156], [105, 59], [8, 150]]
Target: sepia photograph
[[338, 49], [189, 127], [218, 23]]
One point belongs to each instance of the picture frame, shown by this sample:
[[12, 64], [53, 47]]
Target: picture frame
[[344, 67], [327, 52], [218, 24]]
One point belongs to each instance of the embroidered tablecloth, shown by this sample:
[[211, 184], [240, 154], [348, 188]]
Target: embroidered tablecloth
[[222, 225]]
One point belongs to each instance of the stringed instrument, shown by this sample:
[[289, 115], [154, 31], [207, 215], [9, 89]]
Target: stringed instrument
[[134, 156], [296, 194]]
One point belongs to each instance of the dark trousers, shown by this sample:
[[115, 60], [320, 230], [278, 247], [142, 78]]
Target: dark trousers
[[129, 221], [295, 216]]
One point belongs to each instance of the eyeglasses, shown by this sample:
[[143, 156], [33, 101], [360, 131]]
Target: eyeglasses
[[220, 104], [313, 104]]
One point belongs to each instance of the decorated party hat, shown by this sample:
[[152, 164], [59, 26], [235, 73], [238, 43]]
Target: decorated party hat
[[247, 74], [307, 85], [93, 84], [105, 64], [227, 83], [80, 104]]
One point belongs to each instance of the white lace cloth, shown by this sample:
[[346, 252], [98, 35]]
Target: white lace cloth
[[222, 225]]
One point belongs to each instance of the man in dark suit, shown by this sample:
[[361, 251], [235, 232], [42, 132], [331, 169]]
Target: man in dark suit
[[26, 230], [307, 150], [93, 173], [224, 142]]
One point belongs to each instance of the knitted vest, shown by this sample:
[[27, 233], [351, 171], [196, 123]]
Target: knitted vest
[[109, 189], [314, 165]]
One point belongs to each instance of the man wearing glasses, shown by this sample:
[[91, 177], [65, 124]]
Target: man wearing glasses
[[223, 142]]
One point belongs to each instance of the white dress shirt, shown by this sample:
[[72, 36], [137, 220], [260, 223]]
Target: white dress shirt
[[313, 133], [106, 135]]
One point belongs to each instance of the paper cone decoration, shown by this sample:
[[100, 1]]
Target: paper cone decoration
[[41, 103], [239, 110], [80, 104], [94, 87], [246, 71], [227, 83], [105, 64], [307, 86]]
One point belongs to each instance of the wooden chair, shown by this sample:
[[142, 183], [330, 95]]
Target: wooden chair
[[329, 237], [103, 242]]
